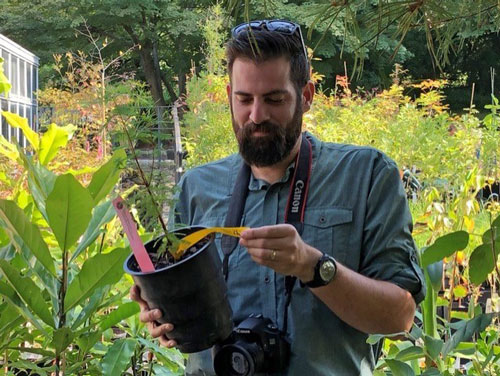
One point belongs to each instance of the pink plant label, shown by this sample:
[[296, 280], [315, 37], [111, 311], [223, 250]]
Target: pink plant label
[[140, 253]]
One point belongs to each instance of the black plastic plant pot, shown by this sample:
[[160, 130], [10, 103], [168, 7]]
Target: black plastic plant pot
[[191, 294]]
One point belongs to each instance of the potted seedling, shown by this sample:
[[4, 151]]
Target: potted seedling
[[181, 276]]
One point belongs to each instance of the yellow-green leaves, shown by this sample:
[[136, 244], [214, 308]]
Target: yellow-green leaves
[[17, 121], [52, 140], [69, 209], [4, 82], [98, 271], [29, 292], [107, 176], [23, 234]]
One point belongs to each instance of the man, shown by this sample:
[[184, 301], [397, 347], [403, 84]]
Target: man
[[349, 240]]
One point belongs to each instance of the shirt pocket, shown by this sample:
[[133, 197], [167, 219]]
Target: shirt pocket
[[328, 230]]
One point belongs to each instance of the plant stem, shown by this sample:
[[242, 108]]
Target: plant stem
[[61, 314], [452, 286], [145, 181]]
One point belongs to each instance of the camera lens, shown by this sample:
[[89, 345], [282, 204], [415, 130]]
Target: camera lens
[[238, 359], [239, 364]]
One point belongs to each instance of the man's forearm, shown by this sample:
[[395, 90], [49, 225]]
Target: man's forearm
[[368, 305]]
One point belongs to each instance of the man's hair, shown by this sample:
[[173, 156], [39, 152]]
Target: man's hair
[[263, 45]]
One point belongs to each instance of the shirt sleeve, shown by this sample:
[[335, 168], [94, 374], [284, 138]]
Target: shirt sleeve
[[389, 252]]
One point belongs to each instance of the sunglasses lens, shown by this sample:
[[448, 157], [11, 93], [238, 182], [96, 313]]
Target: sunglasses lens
[[281, 27], [256, 25]]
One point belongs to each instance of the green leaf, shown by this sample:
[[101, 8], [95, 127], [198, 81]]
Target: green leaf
[[23, 233], [17, 121], [61, 339], [107, 176], [399, 368], [481, 263], [4, 82], [460, 291], [9, 318], [121, 313], [465, 333], [98, 271], [90, 307], [69, 207], [102, 214], [433, 346], [28, 291], [117, 358], [87, 340], [8, 149], [435, 272], [52, 140], [374, 338], [432, 372], [410, 353], [445, 246]]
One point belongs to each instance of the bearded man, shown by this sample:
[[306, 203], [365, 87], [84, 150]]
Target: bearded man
[[329, 256]]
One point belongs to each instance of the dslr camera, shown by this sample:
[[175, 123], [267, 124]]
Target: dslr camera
[[256, 345]]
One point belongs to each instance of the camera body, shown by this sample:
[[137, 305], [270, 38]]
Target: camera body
[[255, 345]]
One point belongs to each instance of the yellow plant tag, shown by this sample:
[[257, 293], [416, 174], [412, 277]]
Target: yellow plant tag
[[196, 236]]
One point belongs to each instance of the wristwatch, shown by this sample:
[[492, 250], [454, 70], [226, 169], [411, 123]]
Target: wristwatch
[[324, 272]]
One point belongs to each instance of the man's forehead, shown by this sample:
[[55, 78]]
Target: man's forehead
[[269, 75]]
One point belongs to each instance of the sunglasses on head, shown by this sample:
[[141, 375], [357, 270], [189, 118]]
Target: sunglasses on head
[[280, 26]]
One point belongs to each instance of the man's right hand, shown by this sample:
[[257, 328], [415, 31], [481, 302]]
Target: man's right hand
[[149, 317]]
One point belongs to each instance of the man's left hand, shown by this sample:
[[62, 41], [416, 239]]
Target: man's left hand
[[281, 248]]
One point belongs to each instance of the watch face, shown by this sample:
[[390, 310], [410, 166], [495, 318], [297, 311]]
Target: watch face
[[327, 270]]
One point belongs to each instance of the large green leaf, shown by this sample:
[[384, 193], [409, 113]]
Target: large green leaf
[[117, 358], [17, 121], [69, 207], [90, 307], [52, 140], [410, 353], [98, 271], [399, 368], [13, 298], [435, 272], [61, 339], [87, 340], [9, 318], [481, 263], [433, 346], [465, 333], [23, 233], [445, 246], [121, 313], [102, 214], [107, 176]]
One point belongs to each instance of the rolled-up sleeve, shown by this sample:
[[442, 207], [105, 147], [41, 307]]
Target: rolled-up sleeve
[[388, 251]]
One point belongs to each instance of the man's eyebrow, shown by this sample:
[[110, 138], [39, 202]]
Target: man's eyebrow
[[272, 92]]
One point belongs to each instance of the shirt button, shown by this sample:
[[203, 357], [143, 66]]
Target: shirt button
[[267, 279]]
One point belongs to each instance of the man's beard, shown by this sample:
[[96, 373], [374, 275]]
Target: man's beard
[[272, 147]]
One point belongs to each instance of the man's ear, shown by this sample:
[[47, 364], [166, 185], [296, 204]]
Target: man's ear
[[228, 90], [307, 96]]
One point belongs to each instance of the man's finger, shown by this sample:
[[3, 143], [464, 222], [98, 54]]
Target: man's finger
[[274, 231], [150, 315], [160, 330]]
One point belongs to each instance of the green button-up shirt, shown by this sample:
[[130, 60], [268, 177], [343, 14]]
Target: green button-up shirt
[[356, 211]]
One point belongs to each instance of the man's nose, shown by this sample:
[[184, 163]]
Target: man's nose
[[259, 113]]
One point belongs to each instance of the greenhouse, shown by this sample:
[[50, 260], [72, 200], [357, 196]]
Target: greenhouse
[[21, 68]]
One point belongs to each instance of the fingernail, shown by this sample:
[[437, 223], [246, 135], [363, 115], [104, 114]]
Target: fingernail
[[168, 327], [157, 313]]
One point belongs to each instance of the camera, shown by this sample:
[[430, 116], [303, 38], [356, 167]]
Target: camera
[[255, 345]]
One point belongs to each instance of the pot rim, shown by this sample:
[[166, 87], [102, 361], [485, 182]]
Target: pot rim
[[139, 273]]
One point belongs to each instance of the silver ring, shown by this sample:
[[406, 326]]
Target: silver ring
[[273, 255]]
